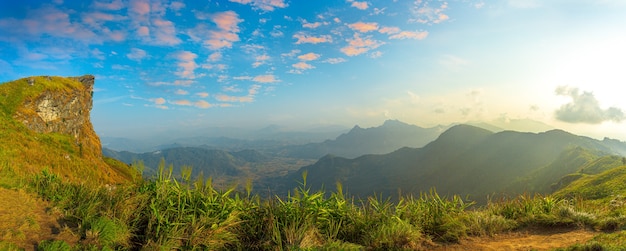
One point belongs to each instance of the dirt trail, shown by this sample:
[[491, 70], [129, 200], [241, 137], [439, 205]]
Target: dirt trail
[[25, 220], [526, 240]]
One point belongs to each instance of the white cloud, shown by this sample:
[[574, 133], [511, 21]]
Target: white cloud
[[304, 38], [202, 104], [389, 30], [290, 54], [419, 35], [266, 5], [202, 94], [181, 92], [585, 108], [252, 91], [335, 60], [136, 54], [426, 14], [265, 79]]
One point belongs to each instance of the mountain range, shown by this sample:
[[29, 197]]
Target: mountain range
[[464, 160]]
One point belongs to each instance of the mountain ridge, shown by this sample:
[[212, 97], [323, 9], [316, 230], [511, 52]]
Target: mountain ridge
[[464, 160]]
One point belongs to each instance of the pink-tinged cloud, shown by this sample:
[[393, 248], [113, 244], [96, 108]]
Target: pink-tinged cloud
[[364, 27], [389, 30], [181, 92], [265, 79], [186, 64], [260, 60], [227, 23], [47, 20], [262, 57], [228, 98], [306, 39], [158, 101], [215, 56], [149, 23], [182, 102], [202, 94], [252, 91], [136, 54], [309, 56], [176, 6], [313, 25], [140, 7], [419, 35], [266, 5], [360, 5], [302, 66], [165, 32], [186, 82], [143, 31], [105, 5], [202, 104], [335, 60], [358, 45]]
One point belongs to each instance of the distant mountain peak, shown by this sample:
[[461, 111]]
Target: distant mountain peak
[[394, 122]]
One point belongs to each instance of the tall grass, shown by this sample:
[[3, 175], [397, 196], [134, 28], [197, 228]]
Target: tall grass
[[166, 213]]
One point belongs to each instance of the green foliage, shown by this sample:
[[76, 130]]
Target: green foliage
[[53, 245], [166, 213], [607, 241], [5, 246], [604, 186]]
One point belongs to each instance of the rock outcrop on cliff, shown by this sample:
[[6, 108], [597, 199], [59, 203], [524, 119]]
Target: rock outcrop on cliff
[[48, 126]]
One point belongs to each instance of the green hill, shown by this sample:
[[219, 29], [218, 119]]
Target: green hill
[[603, 187], [45, 125]]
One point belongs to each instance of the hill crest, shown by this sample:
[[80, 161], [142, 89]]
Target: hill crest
[[46, 125]]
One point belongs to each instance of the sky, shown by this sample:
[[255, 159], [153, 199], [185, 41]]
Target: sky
[[166, 66]]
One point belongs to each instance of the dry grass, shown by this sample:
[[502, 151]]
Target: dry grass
[[25, 220]]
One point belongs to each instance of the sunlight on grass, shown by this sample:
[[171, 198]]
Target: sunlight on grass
[[188, 214]]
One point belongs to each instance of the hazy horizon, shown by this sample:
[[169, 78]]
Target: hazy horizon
[[165, 66]]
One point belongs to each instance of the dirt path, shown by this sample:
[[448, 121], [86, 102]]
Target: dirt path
[[25, 220], [526, 240]]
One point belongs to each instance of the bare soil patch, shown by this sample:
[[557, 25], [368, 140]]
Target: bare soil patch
[[532, 239]]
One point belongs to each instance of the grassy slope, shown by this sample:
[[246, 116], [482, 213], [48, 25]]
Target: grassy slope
[[27, 152]]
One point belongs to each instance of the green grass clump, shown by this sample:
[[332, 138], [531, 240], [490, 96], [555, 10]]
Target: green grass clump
[[608, 241], [167, 213], [53, 245]]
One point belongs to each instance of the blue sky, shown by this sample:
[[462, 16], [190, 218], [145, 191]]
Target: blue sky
[[167, 66]]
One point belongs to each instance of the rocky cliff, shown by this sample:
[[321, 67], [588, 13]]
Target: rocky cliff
[[47, 126], [64, 111]]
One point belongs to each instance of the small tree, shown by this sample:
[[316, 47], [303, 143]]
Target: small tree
[[624, 160]]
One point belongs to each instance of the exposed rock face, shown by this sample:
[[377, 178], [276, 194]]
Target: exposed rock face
[[65, 111]]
